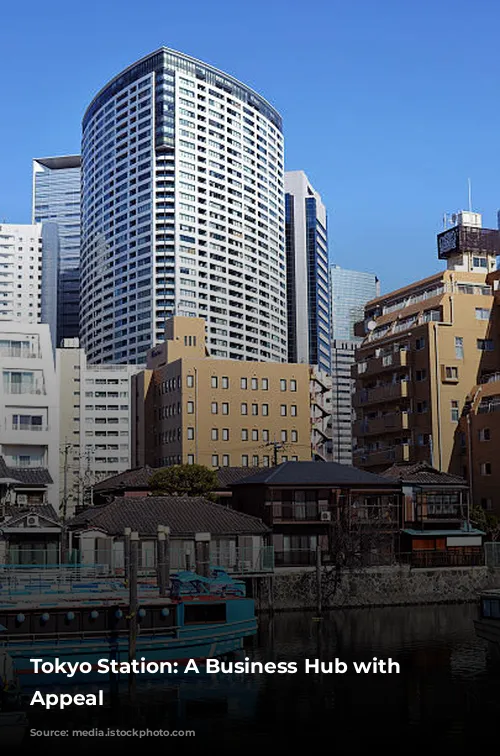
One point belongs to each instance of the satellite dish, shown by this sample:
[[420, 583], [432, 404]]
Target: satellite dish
[[371, 325]]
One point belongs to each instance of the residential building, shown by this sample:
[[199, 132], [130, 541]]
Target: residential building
[[29, 413], [436, 528], [190, 408], [320, 392], [308, 301], [350, 291], [425, 346], [190, 162], [94, 423], [56, 201], [238, 542], [20, 272], [351, 515]]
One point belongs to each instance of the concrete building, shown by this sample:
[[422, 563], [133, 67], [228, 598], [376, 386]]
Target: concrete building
[[308, 300], [182, 213], [29, 413], [20, 272], [350, 291], [56, 201], [190, 408], [425, 347], [94, 423]]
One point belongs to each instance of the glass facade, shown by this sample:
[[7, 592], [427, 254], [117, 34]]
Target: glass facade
[[350, 291], [182, 213], [56, 200]]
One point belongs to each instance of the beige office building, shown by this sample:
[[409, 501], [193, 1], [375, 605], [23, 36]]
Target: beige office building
[[425, 346], [189, 408]]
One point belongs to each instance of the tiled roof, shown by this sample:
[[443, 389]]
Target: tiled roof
[[229, 475], [43, 510], [315, 473], [32, 476], [184, 515], [138, 477], [422, 473]]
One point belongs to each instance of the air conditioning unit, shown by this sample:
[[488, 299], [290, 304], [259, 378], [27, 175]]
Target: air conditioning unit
[[326, 516], [22, 498], [32, 521]]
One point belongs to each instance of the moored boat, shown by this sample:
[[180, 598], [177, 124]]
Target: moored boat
[[488, 624]]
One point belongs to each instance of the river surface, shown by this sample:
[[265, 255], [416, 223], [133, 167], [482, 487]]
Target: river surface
[[446, 698]]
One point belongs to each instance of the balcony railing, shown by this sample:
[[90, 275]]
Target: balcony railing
[[28, 354], [392, 361], [448, 558], [390, 423], [13, 388], [444, 512], [295, 558], [381, 394], [29, 427], [382, 456]]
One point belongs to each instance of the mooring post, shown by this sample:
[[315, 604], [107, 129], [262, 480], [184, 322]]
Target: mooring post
[[318, 579], [160, 556], [202, 545], [166, 560], [126, 553]]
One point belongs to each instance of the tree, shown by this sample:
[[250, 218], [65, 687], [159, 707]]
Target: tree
[[485, 521], [184, 480]]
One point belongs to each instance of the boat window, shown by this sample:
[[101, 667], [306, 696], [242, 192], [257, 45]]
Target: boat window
[[198, 614]]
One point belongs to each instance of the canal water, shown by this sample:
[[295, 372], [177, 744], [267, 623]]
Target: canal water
[[446, 698]]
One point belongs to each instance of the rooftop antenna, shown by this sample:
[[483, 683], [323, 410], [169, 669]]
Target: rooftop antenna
[[470, 194]]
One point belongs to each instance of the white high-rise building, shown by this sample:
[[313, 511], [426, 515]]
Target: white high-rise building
[[94, 423], [182, 213], [29, 413], [20, 272]]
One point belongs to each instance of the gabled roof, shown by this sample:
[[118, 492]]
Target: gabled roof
[[26, 476], [229, 475], [423, 474], [316, 473], [184, 515], [137, 477], [43, 511]]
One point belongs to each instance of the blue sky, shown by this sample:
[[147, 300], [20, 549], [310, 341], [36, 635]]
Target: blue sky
[[389, 106]]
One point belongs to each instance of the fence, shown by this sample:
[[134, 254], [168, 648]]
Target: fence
[[492, 554]]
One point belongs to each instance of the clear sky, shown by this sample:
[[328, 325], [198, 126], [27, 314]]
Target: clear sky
[[388, 105]]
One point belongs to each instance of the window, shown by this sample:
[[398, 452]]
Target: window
[[459, 347], [283, 410], [455, 414], [244, 434], [255, 460], [265, 409], [255, 384], [190, 434], [293, 385], [422, 407], [293, 410], [190, 459], [421, 375], [265, 384], [225, 382], [190, 408], [265, 435], [284, 435], [486, 468], [284, 458], [225, 434], [255, 435], [294, 436], [487, 504], [190, 381], [484, 434], [215, 434], [485, 345], [423, 439], [244, 383], [283, 384], [225, 460], [482, 313], [244, 408], [420, 343], [225, 408], [255, 409], [450, 373], [215, 460], [244, 460], [215, 408], [215, 381], [265, 460], [479, 262]]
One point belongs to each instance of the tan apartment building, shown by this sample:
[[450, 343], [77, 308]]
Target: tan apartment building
[[190, 408], [425, 346]]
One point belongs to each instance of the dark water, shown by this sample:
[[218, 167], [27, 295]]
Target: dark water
[[446, 698]]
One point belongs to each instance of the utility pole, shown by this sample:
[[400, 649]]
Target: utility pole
[[65, 450], [277, 445]]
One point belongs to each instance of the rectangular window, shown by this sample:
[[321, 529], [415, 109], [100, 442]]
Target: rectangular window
[[244, 434], [283, 410], [283, 384], [485, 345], [190, 434], [244, 460], [294, 436], [421, 375], [244, 408], [284, 458], [482, 313], [215, 434], [255, 409], [243, 383], [225, 460], [484, 434], [190, 459], [451, 373], [284, 435], [293, 385], [455, 414], [225, 382], [255, 460], [255, 435], [215, 381], [215, 409], [255, 384], [265, 460], [225, 408], [265, 435], [215, 460], [190, 408], [486, 468], [421, 407], [225, 434], [265, 409], [265, 384], [420, 343], [459, 347], [293, 410], [190, 381]]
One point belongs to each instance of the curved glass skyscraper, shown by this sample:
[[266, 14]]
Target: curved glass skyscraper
[[182, 213]]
